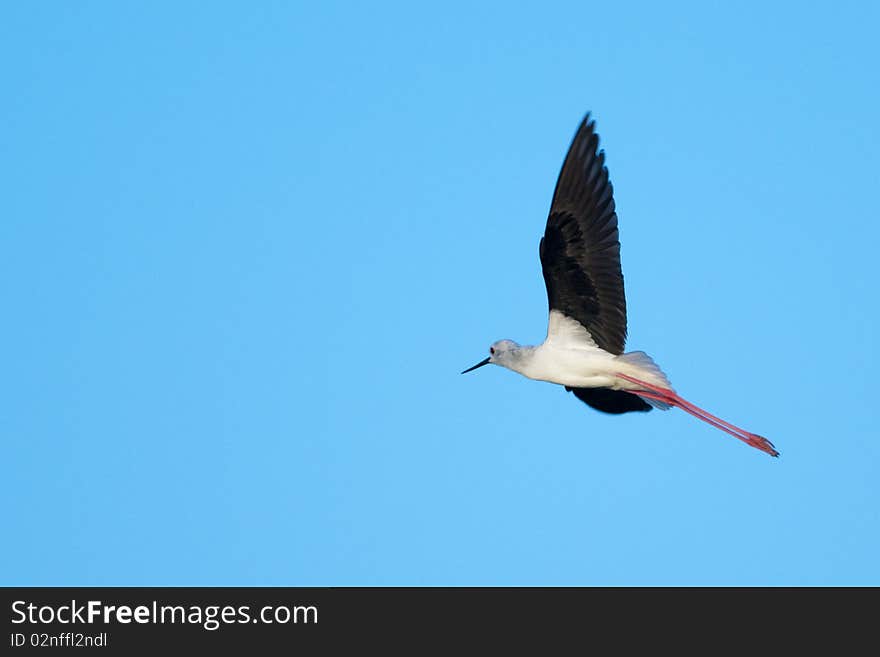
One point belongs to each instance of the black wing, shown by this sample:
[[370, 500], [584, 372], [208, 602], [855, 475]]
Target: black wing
[[610, 401], [580, 250]]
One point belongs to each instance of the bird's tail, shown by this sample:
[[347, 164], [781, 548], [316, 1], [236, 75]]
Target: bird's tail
[[642, 366]]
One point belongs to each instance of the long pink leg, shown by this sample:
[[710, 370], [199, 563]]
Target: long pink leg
[[685, 405], [667, 400], [670, 397]]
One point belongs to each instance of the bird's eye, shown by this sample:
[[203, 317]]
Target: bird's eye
[[492, 351]]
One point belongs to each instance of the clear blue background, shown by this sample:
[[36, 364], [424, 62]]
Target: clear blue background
[[246, 249]]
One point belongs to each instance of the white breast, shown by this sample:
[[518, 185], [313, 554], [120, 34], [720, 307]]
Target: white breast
[[569, 356]]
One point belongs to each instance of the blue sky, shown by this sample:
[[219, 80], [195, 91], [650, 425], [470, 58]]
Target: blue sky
[[246, 250]]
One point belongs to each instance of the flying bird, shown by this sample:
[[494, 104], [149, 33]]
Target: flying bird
[[586, 333]]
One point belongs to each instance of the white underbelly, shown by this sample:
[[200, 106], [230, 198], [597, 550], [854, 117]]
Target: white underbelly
[[575, 368]]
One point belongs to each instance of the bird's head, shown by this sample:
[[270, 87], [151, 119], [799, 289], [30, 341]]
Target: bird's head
[[501, 353]]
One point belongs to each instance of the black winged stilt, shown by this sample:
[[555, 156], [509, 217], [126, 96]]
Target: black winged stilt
[[586, 333]]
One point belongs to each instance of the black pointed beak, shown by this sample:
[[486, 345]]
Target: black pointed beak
[[480, 364]]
